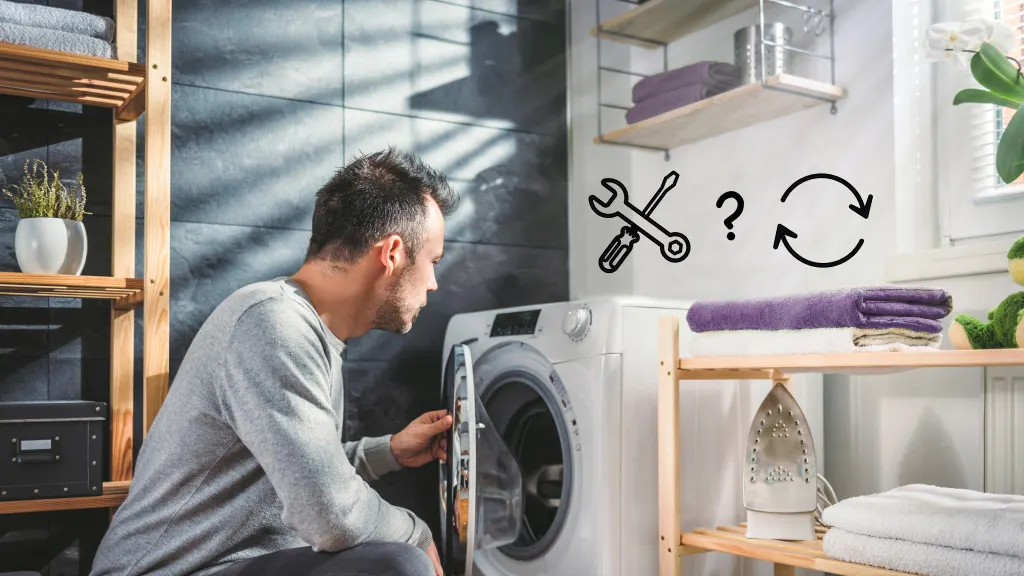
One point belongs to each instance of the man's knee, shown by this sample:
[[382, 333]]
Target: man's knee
[[400, 559]]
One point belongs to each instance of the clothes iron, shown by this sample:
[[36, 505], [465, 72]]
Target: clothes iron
[[780, 486]]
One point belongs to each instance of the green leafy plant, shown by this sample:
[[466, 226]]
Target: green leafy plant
[[1003, 85], [41, 194]]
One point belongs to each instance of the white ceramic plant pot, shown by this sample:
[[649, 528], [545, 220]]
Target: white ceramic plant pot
[[78, 248], [50, 246]]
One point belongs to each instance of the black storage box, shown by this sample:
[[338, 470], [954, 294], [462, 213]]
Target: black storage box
[[51, 449]]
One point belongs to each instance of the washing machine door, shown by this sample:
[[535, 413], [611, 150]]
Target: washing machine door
[[481, 486]]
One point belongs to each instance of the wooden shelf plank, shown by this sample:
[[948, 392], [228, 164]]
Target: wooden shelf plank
[[853, 362], [658, 22], [744, 106], [114, 494], [799, 554], [124, 291], [88, 80]]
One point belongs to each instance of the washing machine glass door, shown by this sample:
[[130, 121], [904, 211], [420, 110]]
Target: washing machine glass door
[[481, 486]]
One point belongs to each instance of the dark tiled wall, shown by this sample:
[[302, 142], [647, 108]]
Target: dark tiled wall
[[269, 98]]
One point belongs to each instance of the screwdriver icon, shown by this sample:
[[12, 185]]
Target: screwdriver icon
[[675, 247]]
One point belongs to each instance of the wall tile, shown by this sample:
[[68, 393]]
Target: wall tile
[[284, 48], [8, 229], [503, 205], [470, 277], [210, 262], [460, 151], [552, 11], [80, 141], [250, 160], [23, 378], [441, 60], [23, 328], [79, 328]]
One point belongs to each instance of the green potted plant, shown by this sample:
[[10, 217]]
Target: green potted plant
[[999, 75], [50, 238]]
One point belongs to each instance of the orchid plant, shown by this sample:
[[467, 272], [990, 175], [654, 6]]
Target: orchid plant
[[983, 47]]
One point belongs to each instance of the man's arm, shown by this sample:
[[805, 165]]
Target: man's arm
[[372, 457], [276, 396]]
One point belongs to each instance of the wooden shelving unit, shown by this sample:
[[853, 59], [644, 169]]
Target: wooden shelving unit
[[114, 494], [658, 22], [738, 108], [130, 90], [786, 555], [52, 75], [125, 292]]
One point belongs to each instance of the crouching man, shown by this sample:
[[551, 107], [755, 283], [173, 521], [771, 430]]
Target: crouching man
[[243, 472]]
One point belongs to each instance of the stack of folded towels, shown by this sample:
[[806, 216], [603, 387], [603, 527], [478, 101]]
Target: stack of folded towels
[[929, 530], [680, 87], [57, 29], [857, 319]]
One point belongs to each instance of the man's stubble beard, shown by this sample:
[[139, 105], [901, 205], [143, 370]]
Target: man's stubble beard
[[390, 314]]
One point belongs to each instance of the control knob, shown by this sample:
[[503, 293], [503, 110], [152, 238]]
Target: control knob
[[576, 323]]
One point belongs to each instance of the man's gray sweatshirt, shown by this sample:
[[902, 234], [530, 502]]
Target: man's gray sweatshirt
[[245, 457]]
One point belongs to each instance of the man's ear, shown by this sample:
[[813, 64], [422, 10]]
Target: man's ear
[[392, 251]]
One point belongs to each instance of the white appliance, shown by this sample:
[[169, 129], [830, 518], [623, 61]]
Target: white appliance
[[571, 389]]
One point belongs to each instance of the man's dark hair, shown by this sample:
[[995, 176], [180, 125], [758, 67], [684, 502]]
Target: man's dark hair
[[374, 196]]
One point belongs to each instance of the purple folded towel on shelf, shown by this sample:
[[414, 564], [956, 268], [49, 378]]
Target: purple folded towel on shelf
[[911, 308], [716, 75], [670, 101]]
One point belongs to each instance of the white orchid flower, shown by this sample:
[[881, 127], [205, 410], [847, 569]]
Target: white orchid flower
[[960, 40]]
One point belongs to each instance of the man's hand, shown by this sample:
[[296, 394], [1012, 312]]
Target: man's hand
[[423, 440], [432, 553]]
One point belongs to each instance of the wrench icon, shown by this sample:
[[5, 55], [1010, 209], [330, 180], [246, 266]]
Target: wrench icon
[[675, 247]]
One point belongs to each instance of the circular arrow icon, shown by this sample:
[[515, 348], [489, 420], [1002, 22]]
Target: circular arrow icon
[[862, 208], [780, 238]]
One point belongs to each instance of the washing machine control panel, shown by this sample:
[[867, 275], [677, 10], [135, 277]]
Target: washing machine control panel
[[522, 323], [576, 323]]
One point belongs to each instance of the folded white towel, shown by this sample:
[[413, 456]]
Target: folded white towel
[[949, 517], [56, 40], [916, 558], [810, 341], [52, 18]]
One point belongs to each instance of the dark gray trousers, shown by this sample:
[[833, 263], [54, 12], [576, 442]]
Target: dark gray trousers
[[377, 559]]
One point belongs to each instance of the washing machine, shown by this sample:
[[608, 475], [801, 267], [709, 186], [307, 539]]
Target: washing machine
[[552, 458]]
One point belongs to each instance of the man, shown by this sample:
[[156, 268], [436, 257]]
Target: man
[[243, 472]]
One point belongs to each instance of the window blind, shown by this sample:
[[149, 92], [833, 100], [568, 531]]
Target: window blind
[[988, 121]]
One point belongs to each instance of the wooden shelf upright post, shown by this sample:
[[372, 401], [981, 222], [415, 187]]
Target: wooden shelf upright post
[[156, 346], [668, 446], [122, 246]]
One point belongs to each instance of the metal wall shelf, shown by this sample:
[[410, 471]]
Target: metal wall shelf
[[656, 23]]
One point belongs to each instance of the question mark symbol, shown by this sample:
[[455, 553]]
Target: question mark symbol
[[735, 214]]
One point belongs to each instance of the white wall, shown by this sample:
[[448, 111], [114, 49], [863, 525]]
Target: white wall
[[589, 163], [879, 432]]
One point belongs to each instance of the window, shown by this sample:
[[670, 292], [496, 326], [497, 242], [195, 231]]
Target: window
[[953, 212], [976, 204]]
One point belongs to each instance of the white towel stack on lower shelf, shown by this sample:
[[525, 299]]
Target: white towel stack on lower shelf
[[929, 530]]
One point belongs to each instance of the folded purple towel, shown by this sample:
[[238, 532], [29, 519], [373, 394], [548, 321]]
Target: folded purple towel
[[670, 101], [860, 307], [711, 74]]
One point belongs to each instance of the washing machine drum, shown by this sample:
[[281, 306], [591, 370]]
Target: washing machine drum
[[508, 485]]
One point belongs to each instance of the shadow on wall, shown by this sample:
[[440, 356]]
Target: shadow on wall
[[512, 213], [928, 458]]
